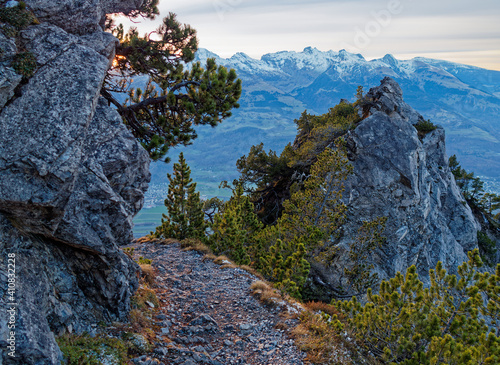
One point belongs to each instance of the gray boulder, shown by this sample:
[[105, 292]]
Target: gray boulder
[[71, 179], [406, 178]]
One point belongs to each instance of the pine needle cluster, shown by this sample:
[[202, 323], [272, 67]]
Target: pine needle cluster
[[454, 321]]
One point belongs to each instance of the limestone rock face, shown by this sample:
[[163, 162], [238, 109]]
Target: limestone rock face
[[79, 16], [71, 179], [406, 178]]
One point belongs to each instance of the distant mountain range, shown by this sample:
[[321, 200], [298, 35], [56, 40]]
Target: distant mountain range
[[465, 100]]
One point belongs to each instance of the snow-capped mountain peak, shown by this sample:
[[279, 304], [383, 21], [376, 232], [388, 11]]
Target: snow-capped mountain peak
[[463, 99]]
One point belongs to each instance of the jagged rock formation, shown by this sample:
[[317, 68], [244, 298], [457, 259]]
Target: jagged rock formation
[[406, 178], [71, 179]]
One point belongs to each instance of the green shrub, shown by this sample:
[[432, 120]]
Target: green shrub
[[18, 16], [129, 251], [24, 64], [487, 248], [142, 296], [454, 321], [87, 350], [8, 30], [136, 343], [424, 126], [185, 218], [234, 228], [143, 261]]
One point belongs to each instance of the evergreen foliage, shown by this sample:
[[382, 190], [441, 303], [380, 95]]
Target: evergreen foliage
[[234, 228], [315, 213], [316, 132], [88, 350], [12, 21], [423, 127], [266, 176], [286, 264], [185, 217], [490, 202], [454, 321], [357, 273], [17, 17], [24, 63], [174, 100], [311, 217], [211, 207], [269, 178], [311, 223], [298, 196], [472, 188], [487, 248], [482, 203]]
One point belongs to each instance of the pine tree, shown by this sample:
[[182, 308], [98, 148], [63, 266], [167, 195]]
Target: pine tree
[[405, 323], [311, 217], [185, 217], [490, 202], [286, 264], [174, 100], [235, 227], [270, 178], [469, 186], [316, 212]]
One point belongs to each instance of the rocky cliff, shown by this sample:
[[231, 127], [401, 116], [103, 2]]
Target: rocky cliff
[[405, 177], [71, 179]]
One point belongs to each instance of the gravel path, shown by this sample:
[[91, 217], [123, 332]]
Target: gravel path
[[208, 315]]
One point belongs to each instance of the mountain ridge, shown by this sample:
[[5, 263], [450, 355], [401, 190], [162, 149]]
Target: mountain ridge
[[454, 95], [464, 99], [461, 98]]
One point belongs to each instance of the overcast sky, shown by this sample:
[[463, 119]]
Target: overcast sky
[[462, 31]]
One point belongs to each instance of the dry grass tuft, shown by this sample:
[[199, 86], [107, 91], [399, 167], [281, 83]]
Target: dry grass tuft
[[209, 256], [260, 285], [321, 340], [167, 241], [138, 320], [228, 266], [143, 304], [266, 293], [194, 244], [144, 239], [323, 307], [222, 260], [148, 274], [281, 326], [144, 297], [252, 271]]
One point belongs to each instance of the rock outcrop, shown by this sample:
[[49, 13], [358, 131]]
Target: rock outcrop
[[71, 179], [406, 178]]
